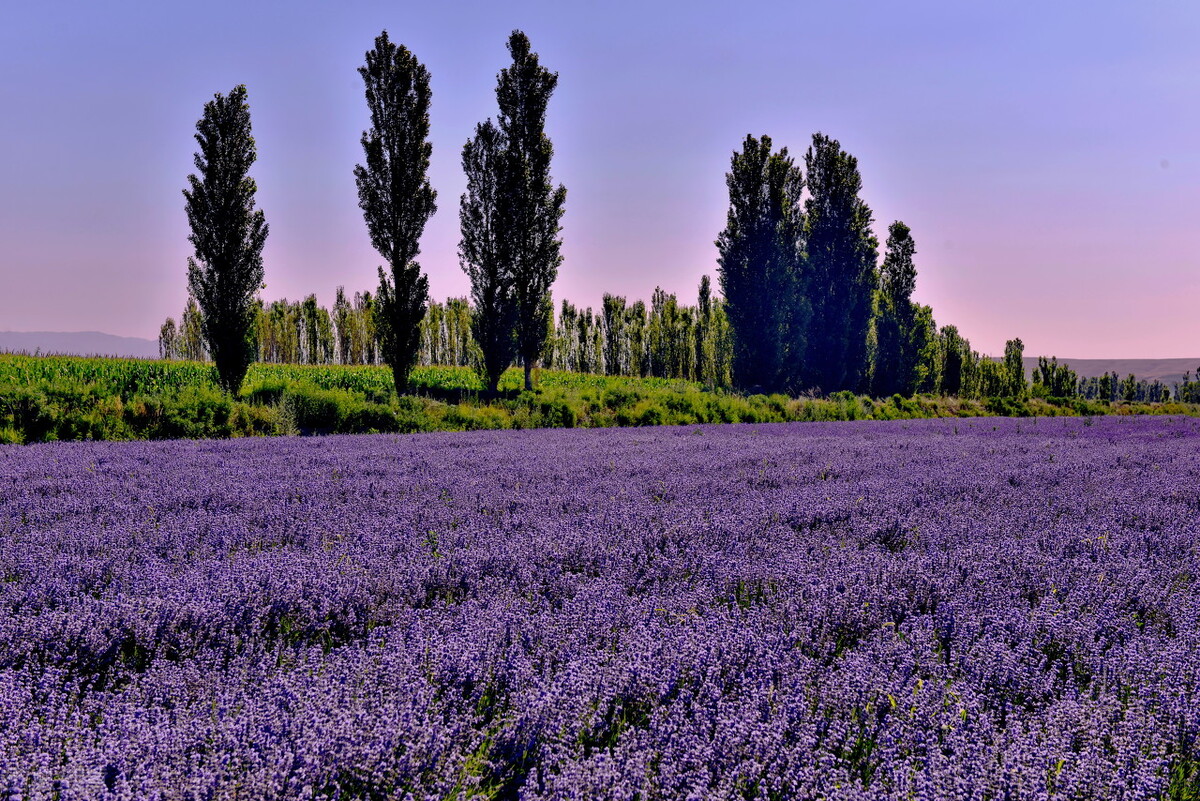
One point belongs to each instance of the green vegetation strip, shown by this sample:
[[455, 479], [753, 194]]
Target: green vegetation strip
[[47, 398]]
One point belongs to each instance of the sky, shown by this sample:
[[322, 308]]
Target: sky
[[1045, 155]]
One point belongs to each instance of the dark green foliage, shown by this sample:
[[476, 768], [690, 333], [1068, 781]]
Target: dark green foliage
[[523, 91], [759, 267], [191, 344], [228, 235], [899, 338], [1014, 369], [510, 220], [1189, 390], [924, 343], [485, 252], [396, 196], [841, 277], [616, 346], [49, 398], [1108, 387], [168, 340], [709, 341], [1055, 380], [952, 349], [1129, 388]]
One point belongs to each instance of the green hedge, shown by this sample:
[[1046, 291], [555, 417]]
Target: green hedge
[[45, 399]]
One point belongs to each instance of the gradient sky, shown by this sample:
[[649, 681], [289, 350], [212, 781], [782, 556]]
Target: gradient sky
[[1046, 155]]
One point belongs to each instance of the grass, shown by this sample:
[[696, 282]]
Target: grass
[[47, 398]]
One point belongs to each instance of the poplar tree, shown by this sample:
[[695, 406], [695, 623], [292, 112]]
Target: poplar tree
[[897, 340], [705, 344], [952, 349], [615, 347], [228, 235], [168, 339], [1014, 369], [841, 253], [395, 195], [758, 266], [191, 333], [523, 91], [484, 252]]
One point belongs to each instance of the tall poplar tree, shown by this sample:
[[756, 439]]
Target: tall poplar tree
[[953, 351], [484, 251], [897, 339], [759, 268], [523, 91], [841, 253], [228, 235], [1014, 369], [396, 196]]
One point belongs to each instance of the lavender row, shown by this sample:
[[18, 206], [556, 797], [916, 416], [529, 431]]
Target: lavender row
[[931, 609]]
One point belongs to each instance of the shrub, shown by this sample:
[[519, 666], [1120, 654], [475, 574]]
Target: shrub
[[368, 418], [195, 413], [316, 410], [265, 391]]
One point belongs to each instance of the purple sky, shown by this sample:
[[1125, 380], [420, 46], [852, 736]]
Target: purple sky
[[1046, 155]]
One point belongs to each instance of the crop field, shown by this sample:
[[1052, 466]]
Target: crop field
[[934, 609], [127, 378]]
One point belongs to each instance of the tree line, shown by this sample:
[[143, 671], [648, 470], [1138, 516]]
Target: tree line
[[662, 339], [805, 305], [509, 216]]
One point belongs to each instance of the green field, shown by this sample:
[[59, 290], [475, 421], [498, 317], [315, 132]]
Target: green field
[[47, 398]]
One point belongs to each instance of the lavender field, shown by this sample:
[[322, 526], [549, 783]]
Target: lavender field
[[971, 609]]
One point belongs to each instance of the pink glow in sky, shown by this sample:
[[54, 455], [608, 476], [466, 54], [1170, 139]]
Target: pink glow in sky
[[1046, 155]]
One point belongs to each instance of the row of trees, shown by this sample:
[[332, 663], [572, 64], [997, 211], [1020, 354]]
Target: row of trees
[[509, 217], [807, 306], [664, 339]]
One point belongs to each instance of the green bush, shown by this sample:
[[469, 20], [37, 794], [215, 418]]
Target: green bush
[[648, 414], [557, 413], [619, 397], [66, 398], [265, 391], [195, 413], [318, 411], [368, 418], [1006, 407], [465, 417]]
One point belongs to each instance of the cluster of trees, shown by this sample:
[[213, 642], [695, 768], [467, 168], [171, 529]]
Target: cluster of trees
[[289, 332], [1111, 387], [664, 340], [510, 217], [811, 308], [951, 367]]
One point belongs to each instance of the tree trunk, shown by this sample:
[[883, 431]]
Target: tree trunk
[[400, 379]]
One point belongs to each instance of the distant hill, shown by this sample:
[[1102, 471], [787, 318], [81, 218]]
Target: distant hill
[[77, 343], [1164, 370]]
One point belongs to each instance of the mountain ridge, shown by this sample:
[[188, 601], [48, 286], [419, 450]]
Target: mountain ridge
[[78, 343]]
